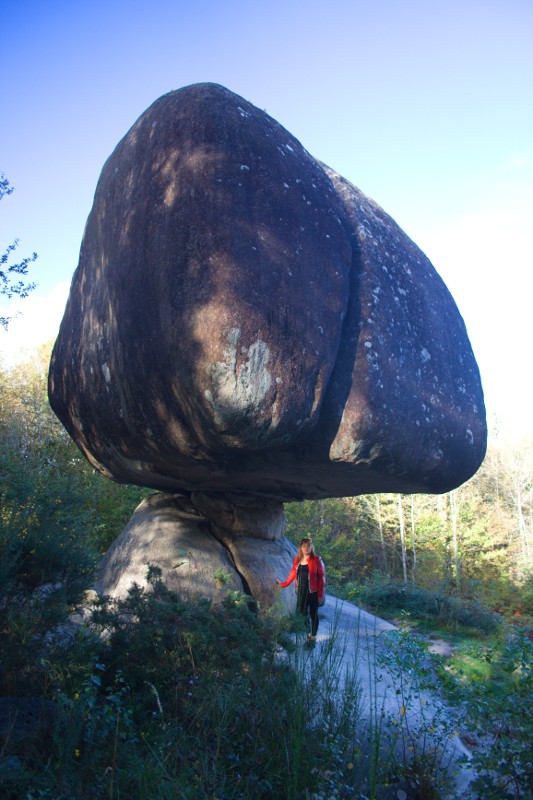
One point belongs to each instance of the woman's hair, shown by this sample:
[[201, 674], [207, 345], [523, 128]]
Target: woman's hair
[[306, 540]]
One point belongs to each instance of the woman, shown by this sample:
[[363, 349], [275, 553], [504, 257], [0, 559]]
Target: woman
[[310, 575]]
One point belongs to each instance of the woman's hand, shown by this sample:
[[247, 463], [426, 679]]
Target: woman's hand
[[278, 582]]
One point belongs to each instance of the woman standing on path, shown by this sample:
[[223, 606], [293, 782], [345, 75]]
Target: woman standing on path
[[310, 575]]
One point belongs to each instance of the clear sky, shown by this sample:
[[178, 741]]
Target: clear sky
[[427, 106]]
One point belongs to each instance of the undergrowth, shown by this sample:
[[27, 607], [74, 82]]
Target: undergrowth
[[442, 609], [493, 681], [162, 698]]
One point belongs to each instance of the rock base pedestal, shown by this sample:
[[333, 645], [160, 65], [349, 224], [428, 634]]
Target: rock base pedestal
[[192, 549]]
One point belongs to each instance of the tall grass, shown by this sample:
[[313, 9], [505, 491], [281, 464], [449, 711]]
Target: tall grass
[[162, 698]]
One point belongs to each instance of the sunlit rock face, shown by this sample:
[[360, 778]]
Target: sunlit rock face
[[167, 531], [243, 320]]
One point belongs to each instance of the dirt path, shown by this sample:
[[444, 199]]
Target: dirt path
[[361, 647]]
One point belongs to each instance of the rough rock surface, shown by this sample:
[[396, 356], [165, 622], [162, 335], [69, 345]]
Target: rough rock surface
[[405, 398], [244, 320], [242, 515], [166, 530]]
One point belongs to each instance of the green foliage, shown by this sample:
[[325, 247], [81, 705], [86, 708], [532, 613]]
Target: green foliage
[[169, 639], [221, 577], [38, 450], [495, 685], [446, 610], [46, 562], [512, 598], [11, 275], [508, 766], [183, 699], [55, 516]]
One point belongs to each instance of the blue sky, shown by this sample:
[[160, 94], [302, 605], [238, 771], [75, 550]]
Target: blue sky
[[426, 106]]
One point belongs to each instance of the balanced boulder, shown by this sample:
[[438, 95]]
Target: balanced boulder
[[243, 320]]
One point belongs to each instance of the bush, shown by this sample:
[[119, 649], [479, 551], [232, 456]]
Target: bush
[[424, 604], [46, 562], [514, 599], [171, 699], [499, 713]]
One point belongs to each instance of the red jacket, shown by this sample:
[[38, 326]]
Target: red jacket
[[317, 575]]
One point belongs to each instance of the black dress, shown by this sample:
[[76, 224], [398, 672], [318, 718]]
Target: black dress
[[306, 601]]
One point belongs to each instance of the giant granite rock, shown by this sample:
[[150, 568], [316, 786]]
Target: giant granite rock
[[245, 327]]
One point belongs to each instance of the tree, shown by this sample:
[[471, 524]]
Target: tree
[[11, 275], [401, 524], [455, 539], [413, 540], [38, 456]]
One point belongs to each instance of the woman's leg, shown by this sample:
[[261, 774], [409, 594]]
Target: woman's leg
[[313, 612]]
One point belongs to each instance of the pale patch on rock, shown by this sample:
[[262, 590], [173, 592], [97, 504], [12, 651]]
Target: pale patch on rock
[[239, 391]]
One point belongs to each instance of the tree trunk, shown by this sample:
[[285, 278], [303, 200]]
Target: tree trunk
[[402, 538], [413, 545], [381, 537], [455, 542]]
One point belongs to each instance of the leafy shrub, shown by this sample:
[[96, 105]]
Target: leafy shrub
[[157, 639], [513, 599], [424, 604], [172, 699], [46, 562], [500, 714]]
